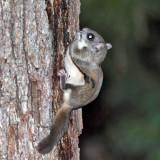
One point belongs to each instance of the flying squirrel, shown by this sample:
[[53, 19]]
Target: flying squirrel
[[81, 80]]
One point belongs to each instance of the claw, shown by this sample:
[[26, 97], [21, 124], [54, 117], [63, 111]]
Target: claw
[[61, 73], [63, 76]]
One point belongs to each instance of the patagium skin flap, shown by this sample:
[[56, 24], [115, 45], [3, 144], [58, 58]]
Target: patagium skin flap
[[80, 80]]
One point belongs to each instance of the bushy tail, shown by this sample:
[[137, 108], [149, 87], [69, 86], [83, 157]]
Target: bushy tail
[[59, 126]]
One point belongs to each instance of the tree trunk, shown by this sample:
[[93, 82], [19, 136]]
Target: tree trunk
[[34, 36]]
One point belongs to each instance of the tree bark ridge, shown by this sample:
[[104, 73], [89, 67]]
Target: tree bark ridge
[[34, 36]]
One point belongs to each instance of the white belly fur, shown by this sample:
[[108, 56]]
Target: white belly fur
[[75, 77]]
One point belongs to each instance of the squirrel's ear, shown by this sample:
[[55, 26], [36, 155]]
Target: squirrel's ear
[[109, 46]]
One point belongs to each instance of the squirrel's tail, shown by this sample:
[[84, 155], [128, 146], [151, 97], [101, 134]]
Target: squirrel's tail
[[60, 125]]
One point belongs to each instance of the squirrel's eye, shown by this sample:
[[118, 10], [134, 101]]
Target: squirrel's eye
[[90, 36]]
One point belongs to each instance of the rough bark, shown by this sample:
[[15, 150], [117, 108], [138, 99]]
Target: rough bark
[[34, 35]]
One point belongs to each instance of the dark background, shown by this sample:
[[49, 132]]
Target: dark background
[[123, 123]]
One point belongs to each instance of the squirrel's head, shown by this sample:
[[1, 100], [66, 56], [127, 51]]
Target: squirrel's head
[[89, 46]]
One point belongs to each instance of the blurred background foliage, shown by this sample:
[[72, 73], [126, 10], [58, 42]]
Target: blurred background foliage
[[124, 122]]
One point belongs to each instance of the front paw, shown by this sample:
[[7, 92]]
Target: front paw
[[63, 76], [62, 73]]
